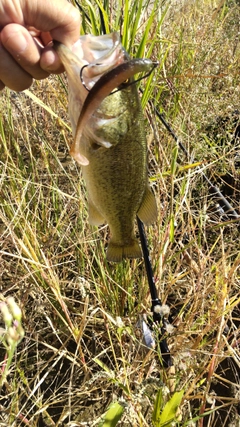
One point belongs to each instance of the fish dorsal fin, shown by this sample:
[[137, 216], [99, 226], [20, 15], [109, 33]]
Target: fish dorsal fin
[[148, 209]]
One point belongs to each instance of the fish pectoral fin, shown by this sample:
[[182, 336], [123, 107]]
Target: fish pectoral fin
[[94, 217], [99, 144], [116, 252], [105, 144], [96, 141], [76, 155], [148, 209]]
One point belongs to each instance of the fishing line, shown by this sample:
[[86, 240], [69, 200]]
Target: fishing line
[[229, 211], [130, 83]]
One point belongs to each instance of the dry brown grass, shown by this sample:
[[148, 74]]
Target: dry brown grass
[[77, 357]]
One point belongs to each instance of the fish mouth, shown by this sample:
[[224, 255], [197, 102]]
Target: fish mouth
[[100, 54], [91, 56], [96, 47], [114, 78]]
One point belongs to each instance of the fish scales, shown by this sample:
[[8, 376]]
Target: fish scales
[[113, 142], [115, 177]]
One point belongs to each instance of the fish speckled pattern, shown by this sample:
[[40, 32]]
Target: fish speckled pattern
[[112, 147]]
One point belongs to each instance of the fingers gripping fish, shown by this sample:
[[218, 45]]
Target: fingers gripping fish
[[109, 138]]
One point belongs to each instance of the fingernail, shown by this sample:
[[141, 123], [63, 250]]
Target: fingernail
[[49, 60]]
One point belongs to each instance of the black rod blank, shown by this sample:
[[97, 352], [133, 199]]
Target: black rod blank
[[157, 317]]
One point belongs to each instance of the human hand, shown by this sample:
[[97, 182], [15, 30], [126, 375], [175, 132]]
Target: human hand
[[27, 28]]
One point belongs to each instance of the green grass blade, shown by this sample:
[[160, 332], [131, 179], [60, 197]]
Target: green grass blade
[[105, 14], [113, 415], [125, 24], [168, 413]]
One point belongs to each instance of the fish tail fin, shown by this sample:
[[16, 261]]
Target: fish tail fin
[[117, 253]]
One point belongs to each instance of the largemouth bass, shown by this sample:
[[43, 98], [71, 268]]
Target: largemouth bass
[[110, 141]]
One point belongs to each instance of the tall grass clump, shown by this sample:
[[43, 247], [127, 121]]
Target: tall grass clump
[[82, 360]]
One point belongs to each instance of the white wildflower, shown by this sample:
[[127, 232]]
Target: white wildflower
[[119, 322], [163, 309], [7, 316], [14, 308], [169, 328]]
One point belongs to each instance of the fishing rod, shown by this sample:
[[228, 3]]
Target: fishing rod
[[157, 319]]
